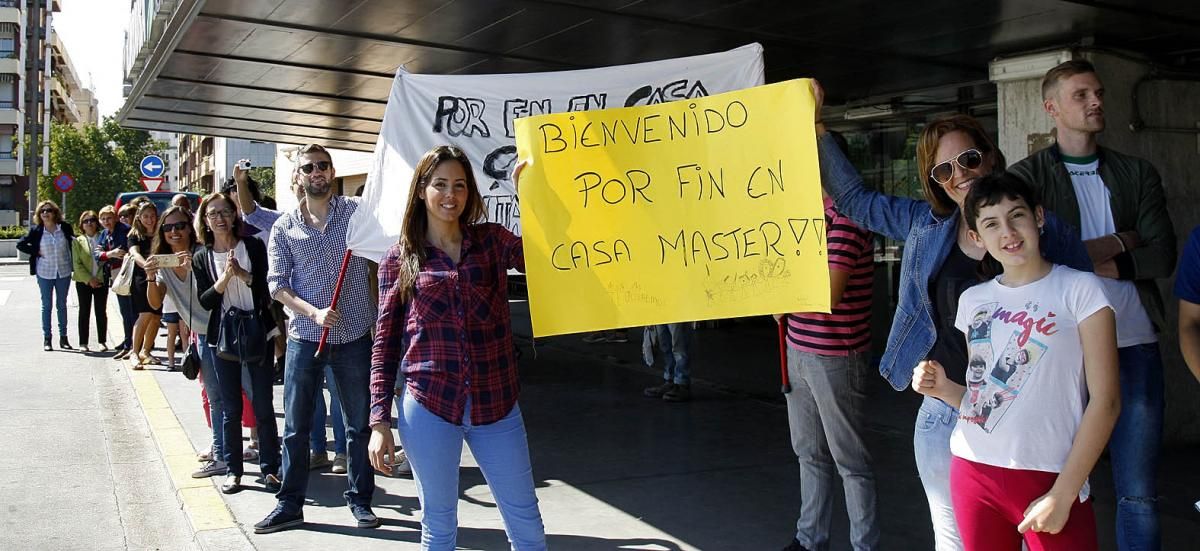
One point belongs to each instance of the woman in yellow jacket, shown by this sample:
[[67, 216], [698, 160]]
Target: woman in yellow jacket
[[89, 280]]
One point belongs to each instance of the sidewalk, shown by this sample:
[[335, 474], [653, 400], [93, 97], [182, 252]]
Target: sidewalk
[[614, 470]]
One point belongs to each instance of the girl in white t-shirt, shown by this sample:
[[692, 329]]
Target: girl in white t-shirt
[[1042, 395]]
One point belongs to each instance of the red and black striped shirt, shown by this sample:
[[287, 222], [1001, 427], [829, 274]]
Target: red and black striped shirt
[[848, 327]]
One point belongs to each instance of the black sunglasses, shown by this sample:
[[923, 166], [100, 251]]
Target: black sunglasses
[[178, 226], [90, 220], [943, 172], [44, 211], [319, 165]]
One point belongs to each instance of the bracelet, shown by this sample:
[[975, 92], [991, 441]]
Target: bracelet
[[1121, 241]]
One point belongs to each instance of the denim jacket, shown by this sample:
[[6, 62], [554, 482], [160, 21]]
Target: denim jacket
[[927, 241]]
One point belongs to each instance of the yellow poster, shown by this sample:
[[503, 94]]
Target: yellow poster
[[689, 210]]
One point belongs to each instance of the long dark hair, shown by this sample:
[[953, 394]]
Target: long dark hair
[[160, 245], [988, 191], [416, 219]]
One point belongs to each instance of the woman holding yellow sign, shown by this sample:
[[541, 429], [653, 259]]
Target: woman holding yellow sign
[[444, 323], [940, 261]]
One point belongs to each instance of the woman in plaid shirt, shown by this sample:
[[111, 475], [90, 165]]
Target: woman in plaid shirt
[[444, 323]]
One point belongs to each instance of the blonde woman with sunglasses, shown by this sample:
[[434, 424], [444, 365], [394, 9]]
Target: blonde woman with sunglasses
[[48, 245], [940, 261]]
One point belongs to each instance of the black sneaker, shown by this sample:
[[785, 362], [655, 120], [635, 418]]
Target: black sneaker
[[795, 546], [46, 346], [658, 391], [678, 393], [279, 520], [64, 344], [364, 516]]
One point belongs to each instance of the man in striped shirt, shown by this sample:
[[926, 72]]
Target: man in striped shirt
[[828, 357]]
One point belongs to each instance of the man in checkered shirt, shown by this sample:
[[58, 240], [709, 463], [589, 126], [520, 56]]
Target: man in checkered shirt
[[305, 251]]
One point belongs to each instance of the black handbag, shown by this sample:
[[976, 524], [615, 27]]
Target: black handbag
[[242, 338], [191, 363]]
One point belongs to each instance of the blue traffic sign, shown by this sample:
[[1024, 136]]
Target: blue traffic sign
[[64, 182], [152, 166]]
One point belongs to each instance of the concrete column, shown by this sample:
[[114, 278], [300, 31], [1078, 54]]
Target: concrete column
[[1024, 128]]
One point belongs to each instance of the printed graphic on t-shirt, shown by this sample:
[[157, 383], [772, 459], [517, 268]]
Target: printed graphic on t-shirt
[[994, 381]]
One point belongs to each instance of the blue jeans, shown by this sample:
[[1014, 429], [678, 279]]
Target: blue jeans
[[1134, 447], [931, 446], [350, 364], [216, 406], [825, 415], [671, 342], [127, 320], [230, 380], [317, 442], [56, 290], [434, 448]]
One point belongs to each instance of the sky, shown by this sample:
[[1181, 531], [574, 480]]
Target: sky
[[93, 32]]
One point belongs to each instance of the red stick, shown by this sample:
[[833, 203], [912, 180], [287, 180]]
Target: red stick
[[337, 292], [783, 372]]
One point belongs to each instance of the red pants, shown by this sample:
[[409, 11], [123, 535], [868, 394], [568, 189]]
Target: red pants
[[989, 503], [248, 420]]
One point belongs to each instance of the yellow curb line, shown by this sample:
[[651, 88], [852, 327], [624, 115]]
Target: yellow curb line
[[202, 503]]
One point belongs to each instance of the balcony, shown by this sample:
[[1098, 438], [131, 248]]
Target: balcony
[[9, 114], [10, 63], [10, 12], [8, 163]]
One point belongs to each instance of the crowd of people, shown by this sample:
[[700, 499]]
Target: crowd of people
[[1028, 318]]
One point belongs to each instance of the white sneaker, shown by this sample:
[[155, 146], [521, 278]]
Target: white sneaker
[[339, 464]]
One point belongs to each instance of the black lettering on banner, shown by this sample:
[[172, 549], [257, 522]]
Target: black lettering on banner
[[461, 117], [499, 164], [547, 139], [775, 180], [578, 254], [715, 182], [517, 108], [671, 91], [800, 227], [615, 190], [578, 132], [698, 248], [504, 210], [587, 102]]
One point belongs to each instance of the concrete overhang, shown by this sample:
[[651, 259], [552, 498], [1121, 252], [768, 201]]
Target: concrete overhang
[[293, 71]]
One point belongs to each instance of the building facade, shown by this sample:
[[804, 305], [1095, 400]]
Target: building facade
[[206, 161]]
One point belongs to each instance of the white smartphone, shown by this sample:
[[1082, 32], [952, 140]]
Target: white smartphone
[[166, 260]]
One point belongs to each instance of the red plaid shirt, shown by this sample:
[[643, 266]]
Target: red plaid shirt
[[453, 340]]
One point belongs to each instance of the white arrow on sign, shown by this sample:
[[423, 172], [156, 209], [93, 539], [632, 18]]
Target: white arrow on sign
[[152, 166]]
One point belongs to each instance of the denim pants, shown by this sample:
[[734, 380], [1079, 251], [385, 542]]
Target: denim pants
[[317, 442], [671, 342], [1134, 447], [826, 418], [350, 364], [56, 290], [92, 296], [931, 446], [127, 319], [434, 448], [216, 405], [231, 377]]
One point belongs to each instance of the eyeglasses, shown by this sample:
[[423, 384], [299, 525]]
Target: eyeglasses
[[943, 172], [91, 220], [46, 211], [223, 213], [178, 226], [319, 165]]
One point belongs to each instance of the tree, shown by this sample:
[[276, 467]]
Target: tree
[[265, 176], [102, 159]]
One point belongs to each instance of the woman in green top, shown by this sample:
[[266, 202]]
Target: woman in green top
[[89, 282]]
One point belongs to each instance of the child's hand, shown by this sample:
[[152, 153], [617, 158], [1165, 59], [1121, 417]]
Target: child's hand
[[929, 377], [1048, 514]]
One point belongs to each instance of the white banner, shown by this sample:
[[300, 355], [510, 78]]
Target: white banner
[[476, 113]]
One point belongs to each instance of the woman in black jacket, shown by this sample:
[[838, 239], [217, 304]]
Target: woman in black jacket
[[48, 245], [231, 277]]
